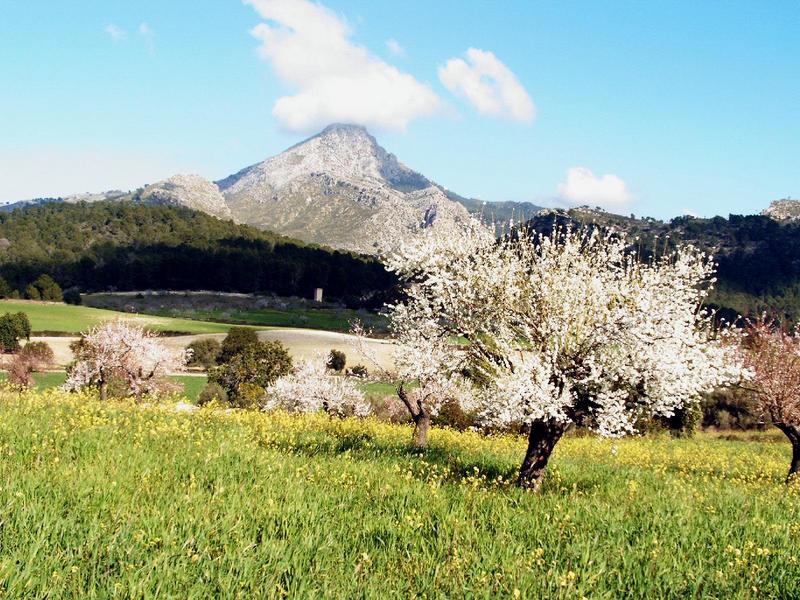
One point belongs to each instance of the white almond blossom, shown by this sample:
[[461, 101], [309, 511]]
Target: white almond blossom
[[426, 360], [121, 350], [566, 328], [310, 387]]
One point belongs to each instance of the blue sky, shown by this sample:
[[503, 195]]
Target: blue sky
[[655, 108]]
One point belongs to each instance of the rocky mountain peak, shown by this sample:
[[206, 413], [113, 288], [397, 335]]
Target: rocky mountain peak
[[191, 191], [340, 188], [782, 210], [346, 129], [345, 152]]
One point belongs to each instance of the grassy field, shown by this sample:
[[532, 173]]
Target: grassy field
[[117, 500], [325, 319], [192, 384], [241, 311], [65, 318], [44, 381], [379, 388]]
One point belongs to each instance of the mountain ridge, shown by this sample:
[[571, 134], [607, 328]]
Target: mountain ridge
[[338, 188]]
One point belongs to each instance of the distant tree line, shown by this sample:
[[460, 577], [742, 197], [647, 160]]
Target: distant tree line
[[128, 246]]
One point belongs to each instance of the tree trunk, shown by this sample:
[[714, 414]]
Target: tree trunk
[[422, 423], [421, 417], [793, 433], [103, 391], [541, 440]]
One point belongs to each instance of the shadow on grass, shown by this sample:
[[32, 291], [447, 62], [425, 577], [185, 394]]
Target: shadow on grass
[[446, 464]]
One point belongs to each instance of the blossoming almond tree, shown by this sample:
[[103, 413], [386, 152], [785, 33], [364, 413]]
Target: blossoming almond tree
[[566, 329], [426, 372], [310, 387], [119, 349], [773, 358]]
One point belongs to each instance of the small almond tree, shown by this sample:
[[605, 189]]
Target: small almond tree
[[565, 329], [33, 358], [310, 387], [772, 356], [124, 351], [21, 370], [426, 371]]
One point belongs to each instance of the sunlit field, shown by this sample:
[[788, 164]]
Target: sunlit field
[[120, 500], [50, 317], [212, 308], [192, 384]]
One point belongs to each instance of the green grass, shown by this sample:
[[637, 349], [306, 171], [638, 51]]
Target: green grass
[[65, 318], [118, 500], [378, 388], [192, 384], [44, 381], [324, 318]]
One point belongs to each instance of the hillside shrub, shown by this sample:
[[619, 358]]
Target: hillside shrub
[[41, 352], [21, 370], [212, 392], [238, 339], [32, 292], [13, 327], [336, 360], [204, 353], [685, 422], [44, 288], [734, 408], [359, 371], [33, 358], [452, 415], [248, 395], [72, 296], [259, 364]]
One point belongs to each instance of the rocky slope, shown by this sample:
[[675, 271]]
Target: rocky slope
[[783, 210], [339, 188], [342, 189], [191, 191]]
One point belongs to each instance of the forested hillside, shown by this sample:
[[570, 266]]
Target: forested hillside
[[758, 257], [129, 246]]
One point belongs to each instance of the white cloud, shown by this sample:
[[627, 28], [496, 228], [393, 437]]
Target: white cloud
[[395, 48], [489, 85], [149, 36], [117, 33], [309, 48], [584, 187]]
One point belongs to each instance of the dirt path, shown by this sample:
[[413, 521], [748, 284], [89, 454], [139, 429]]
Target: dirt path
[[302, 343]]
